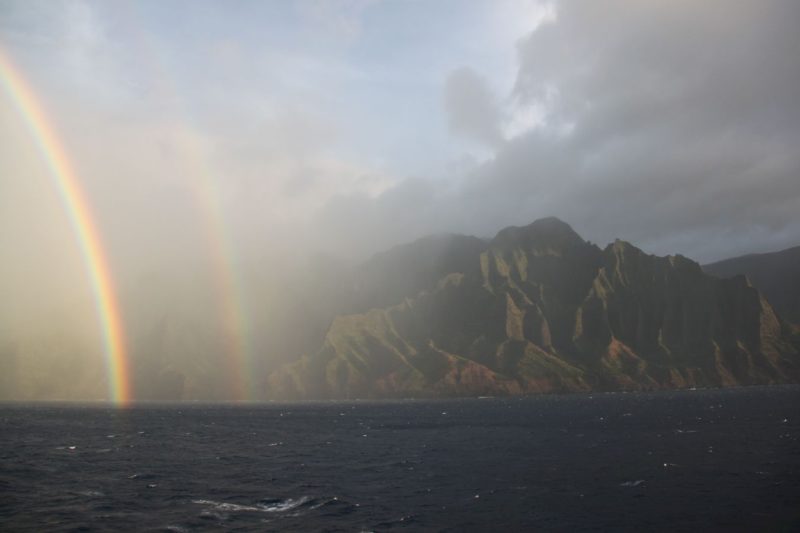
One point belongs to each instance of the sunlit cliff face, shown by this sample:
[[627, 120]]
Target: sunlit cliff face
[[180, 199]]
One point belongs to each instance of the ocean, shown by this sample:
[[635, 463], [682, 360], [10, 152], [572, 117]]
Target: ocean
[[686, 460]]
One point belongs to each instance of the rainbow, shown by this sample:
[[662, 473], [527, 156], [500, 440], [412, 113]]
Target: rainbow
[[233, 319], [234, 324], [77, 208]]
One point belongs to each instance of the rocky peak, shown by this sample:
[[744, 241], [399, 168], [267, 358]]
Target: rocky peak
[[545, 236]]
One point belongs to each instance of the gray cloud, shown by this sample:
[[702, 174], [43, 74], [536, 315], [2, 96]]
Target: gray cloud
[[672, 125], [472, 109], [685, 124]]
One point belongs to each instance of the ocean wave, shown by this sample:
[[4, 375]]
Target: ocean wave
[[280, 506], [225, 506], [276, 505]]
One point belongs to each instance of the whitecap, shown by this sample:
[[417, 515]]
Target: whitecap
[[269, 506], [224, 506], [632, 483], [324, 502], [90, 493], [284, 505]]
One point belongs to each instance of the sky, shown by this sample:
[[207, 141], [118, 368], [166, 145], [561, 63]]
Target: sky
[[242, 136], [368, 123]]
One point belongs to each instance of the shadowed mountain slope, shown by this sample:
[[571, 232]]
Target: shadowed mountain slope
[[776, 275], [404, 270]]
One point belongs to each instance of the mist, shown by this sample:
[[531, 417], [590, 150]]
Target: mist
[[241, 161]]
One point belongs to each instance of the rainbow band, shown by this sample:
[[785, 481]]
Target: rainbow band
[[233, 319], [80, 217]]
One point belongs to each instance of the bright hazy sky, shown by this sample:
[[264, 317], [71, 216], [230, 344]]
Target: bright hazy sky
[[351, 126]]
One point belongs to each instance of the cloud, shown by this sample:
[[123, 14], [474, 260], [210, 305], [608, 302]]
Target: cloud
[[341, 19], [672, 125], [684, 123], [471, 107]]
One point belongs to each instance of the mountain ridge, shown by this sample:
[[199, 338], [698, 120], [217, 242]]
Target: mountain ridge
[[539, 309]]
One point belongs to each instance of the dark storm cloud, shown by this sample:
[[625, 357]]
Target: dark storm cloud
[[685, 121], [674, 125]]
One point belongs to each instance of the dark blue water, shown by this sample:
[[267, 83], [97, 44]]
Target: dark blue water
[[713, 459]]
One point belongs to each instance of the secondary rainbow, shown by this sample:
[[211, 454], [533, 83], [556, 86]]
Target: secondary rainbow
[[234, 323], [77, 208], [192, 156]]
